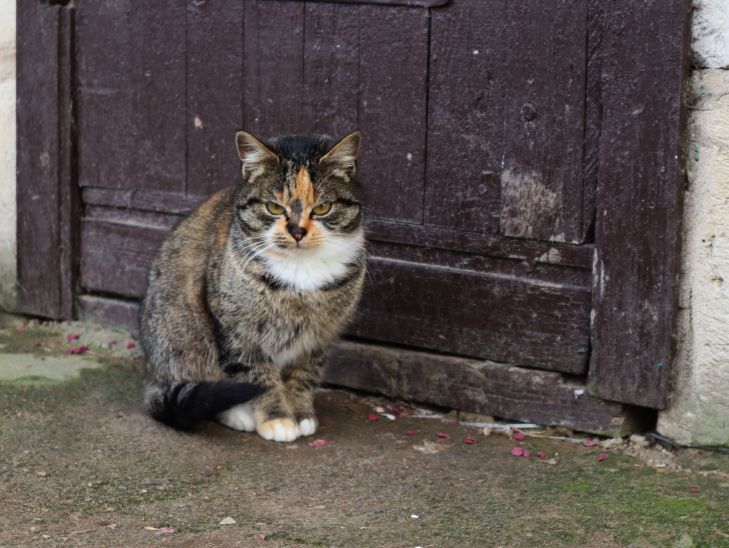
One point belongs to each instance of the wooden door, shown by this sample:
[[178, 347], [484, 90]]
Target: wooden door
[[499, 194]]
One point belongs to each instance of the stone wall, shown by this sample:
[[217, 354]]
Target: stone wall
[[7, 154], [699, 408]]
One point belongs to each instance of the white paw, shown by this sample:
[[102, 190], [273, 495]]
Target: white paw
[[308, 426], [278, 430], [238, 417]]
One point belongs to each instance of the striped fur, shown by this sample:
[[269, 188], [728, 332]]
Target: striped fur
[[238, 307]]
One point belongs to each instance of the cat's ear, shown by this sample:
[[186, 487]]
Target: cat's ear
[[254, 155], [343, 156]]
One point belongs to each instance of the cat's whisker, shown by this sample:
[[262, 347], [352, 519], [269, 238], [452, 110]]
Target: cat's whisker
[[257, 254]]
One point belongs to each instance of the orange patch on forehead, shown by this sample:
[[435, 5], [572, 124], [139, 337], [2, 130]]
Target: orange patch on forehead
[[303, 189]]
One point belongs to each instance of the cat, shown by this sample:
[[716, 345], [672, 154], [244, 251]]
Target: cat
[[248, 293]]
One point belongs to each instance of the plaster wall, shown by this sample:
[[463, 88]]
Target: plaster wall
[[7, 154], [698, 413]]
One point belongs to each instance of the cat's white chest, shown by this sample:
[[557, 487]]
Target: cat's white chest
[[312, 269]]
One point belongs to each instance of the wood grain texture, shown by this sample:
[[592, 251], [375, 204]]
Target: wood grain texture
[[393, 64], [273, 68], [47, 201], [465, 118], [502, 391], [544, 84], [341, 68], [411, 3], [132, 79], [506, 118], [115, 257], [106, 311], [593, 116], [639, 197], [493, 315], [214, 83], [473, 386], [170, 208], [489, 316]]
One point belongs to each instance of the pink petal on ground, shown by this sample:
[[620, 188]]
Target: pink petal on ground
[[72, 337], [588, 443], [130, 345], [519, 436], [526, 454], [318, 443], [372, 417], [517, 452], [261, 536], [469, 441], [20, 329], [77, 350], [410, 432], [112, 342], [443, 435], [694, 490], [541, 454], [601, 457], [166, 530], [395, 410]]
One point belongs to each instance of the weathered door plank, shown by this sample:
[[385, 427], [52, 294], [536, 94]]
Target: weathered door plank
[[214, 83], [47, 199], [639, 197], [507, 318], [501, 318], [131, 74], [506, 120], [473, 385], [273, 67], [541, 175]]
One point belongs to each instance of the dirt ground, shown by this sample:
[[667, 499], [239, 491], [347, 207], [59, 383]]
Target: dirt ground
[[81, 465]]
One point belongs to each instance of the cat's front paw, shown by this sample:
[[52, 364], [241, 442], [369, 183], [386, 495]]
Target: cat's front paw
[[308, 425], [239, 417], [279, 430]]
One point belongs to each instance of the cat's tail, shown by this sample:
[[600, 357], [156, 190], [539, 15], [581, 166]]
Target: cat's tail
[[183, 404]]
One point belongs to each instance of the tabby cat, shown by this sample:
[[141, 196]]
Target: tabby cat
[[248, 293]]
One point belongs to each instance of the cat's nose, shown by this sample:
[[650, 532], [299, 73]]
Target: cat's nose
[[298, 232]]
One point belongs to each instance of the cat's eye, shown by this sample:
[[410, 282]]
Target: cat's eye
[[322, 209], [274, 209]]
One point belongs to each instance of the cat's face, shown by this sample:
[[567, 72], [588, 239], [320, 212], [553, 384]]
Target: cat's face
[[298, 193]]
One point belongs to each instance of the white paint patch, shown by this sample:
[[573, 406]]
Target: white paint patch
[[198, 123], [309, 269], [526, 205], [551, 256]]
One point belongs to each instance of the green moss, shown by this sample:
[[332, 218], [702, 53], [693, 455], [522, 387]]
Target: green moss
[[577, 486]]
